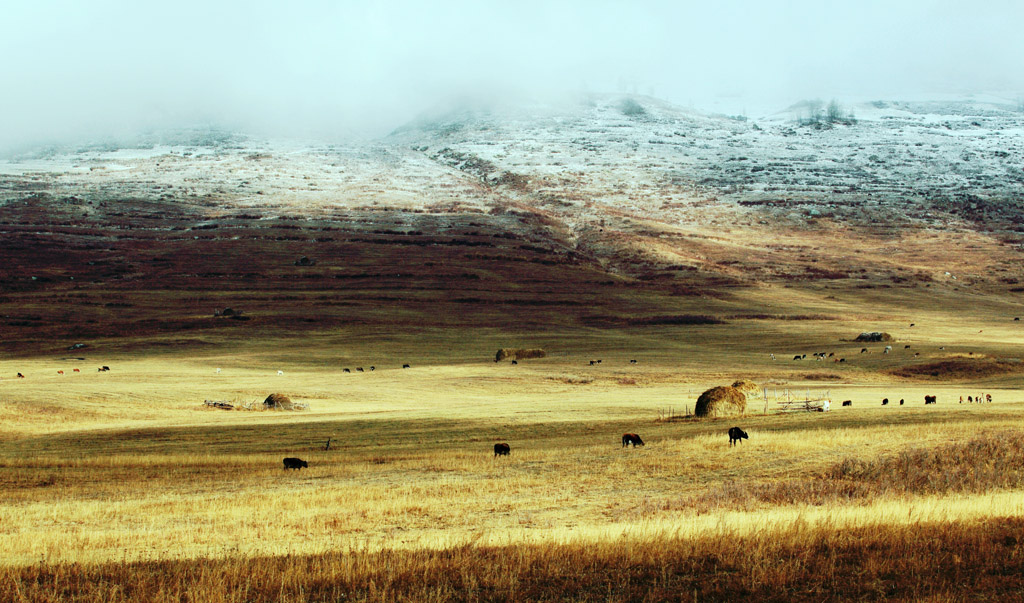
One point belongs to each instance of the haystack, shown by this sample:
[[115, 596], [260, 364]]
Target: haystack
[[278, 401], [722, 401], [875, 336], [749, 388], [519, 353]]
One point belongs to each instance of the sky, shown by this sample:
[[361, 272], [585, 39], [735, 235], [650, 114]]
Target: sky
[[76, 69]]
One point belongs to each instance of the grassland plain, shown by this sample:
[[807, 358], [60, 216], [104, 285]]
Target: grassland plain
[[122, 485]]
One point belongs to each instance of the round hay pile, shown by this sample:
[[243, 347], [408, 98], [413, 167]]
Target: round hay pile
[[722, 401], [278, 401], [749, 388], [875, 336]]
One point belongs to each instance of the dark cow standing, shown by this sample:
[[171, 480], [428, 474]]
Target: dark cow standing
[[294, 463], [502, 449], [631, 438], [929, 399], [736, 434]]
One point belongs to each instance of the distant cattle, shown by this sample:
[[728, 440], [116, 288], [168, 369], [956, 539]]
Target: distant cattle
[[988, 397], [797, 357], [593, 362], [405, 366], [911, 324], [217, 371], [20, 376], [359, 369], [75, 371], [863, 350], [373, 368], [103, 369], [502, 449], [906, 347], [294, 463], [847, 402], [631, 438], [842, 360], [901, 401], [634, 361], [931, 399], [885, 401], [735, 435], [60, 372], [280, 372], [515, 362], [1016, 318], [345, 371]]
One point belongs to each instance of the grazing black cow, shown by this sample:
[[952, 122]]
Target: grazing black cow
[[1016, 318], [359, 369], [735, 435], [831, 354], [911, 324], [345, 371], [631, 438], [632, 361], [901, 401], [515, 362], [906, 347], [863, 350], [294, 463], [405, 366], [842, 360], [885, 401], [20, 376], [847, 402], [797, 357], [592, 363], [930, 399], [502, 449]]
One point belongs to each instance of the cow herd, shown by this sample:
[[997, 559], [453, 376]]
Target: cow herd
[[101, 369], [503, 449]]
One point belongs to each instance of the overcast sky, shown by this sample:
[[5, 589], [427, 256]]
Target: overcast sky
[[100, 68]]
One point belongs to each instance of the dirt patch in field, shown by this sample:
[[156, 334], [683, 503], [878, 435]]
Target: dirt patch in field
[[959, 368]]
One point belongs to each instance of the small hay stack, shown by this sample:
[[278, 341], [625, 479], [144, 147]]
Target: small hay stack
[[278, 402], [519, 353], [748, 388], [875, 336], [722, 401]]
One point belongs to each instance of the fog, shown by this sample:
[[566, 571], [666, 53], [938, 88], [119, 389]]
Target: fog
[[332, 69]]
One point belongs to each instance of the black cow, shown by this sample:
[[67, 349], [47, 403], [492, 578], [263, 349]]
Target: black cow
[[20, 376], [359, 369], [515, 362], [847, 402], [405, 366], [901, 401], [631, 438], [373, 368], [632, 361], [294, 463], [797, 357], [885, 401], [929, 399], [735, 435], [502, 449], [863, 350]]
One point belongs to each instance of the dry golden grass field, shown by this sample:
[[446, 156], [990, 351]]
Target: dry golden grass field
[[122, 485]]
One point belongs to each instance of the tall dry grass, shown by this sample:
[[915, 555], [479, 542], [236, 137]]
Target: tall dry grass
[[981, 561]]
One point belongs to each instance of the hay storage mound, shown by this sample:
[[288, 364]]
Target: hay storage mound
[[278, 401], [875, 336], [748, 388], [519, 353], [959, 369], [722, 401]]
